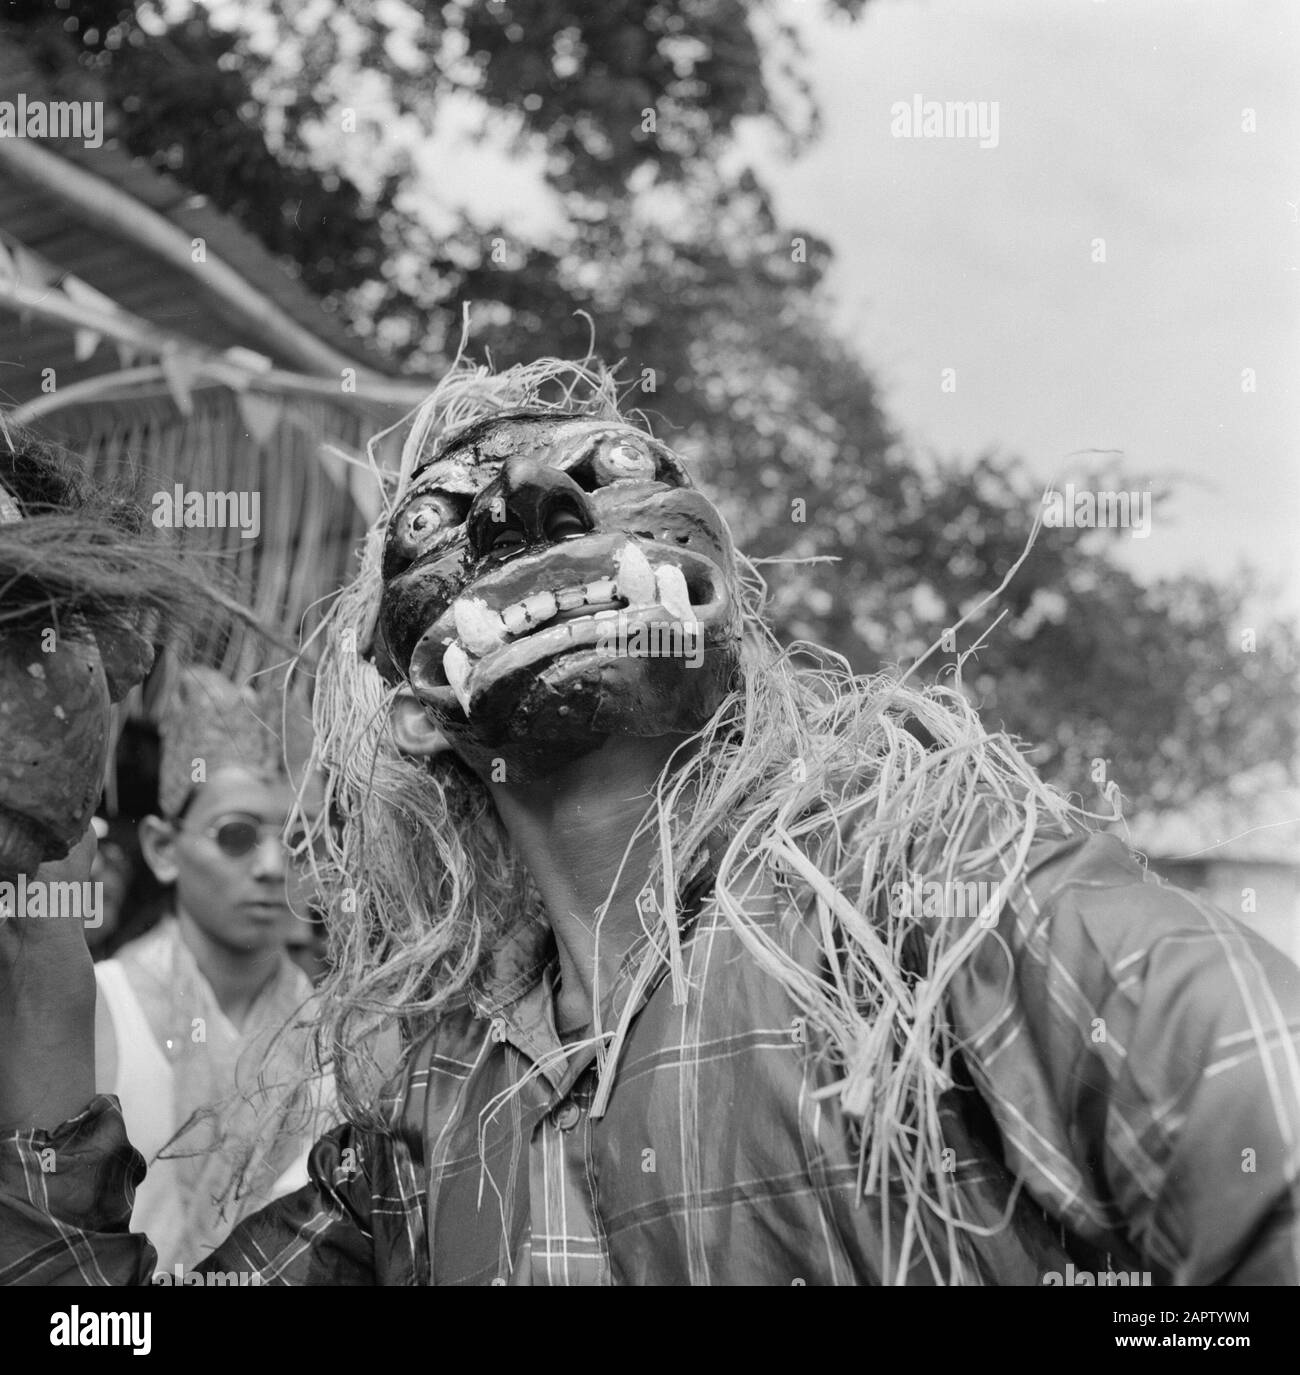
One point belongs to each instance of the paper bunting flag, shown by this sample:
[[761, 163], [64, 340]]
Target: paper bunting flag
[[180, 372], [261, 416]]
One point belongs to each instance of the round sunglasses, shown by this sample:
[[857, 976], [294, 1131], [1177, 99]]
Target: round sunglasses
[[238, 837]]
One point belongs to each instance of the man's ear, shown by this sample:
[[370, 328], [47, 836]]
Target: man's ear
[[158, 846], [412, 729]]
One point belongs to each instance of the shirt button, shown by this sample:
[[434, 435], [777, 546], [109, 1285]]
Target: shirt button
[[567, 1115]]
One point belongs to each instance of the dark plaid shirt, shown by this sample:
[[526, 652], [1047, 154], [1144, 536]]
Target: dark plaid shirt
[[1168, 1143]]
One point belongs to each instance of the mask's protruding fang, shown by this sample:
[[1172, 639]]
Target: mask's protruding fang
[[456, 665], [636, 579], [670, 583], [479, 628]]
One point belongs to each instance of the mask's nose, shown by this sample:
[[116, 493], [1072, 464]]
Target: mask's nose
[[529, 503]]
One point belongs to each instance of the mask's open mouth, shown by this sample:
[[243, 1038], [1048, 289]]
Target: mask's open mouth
[[536, 609]]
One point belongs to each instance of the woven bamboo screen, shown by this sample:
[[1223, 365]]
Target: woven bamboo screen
[[311, 524]]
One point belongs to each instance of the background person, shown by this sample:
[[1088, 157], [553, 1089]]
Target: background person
[[187, 1012]]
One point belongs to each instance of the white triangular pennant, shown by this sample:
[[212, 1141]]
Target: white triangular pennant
[[261, 416], [84, 343], [366, 492], [180, 373]]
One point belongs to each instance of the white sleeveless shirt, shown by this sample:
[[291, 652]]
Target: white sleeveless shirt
[[145, 1087]]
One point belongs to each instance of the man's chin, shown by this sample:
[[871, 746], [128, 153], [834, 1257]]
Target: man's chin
[[254, 937]]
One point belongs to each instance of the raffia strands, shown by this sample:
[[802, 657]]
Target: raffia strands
[[836, 802], [87, 549], [812, 781], [421, 879]]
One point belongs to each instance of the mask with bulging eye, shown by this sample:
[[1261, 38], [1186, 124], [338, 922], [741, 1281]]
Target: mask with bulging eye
[[550, 581], [59, 671]]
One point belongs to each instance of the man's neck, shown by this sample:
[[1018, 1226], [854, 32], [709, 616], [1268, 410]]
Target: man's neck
[[236, 976], [572, 832]]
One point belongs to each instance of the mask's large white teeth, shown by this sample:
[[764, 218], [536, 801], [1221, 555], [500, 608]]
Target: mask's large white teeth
[[541, 607], [670, 585], [531, 612], [479, 628], [456, 665], [636, 579]]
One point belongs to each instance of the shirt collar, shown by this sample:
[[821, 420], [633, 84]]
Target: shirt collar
[[515, 986]]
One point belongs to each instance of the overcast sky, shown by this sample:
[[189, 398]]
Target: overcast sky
[[1118, 120]]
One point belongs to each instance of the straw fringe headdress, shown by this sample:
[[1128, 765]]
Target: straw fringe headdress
[[817, 780]]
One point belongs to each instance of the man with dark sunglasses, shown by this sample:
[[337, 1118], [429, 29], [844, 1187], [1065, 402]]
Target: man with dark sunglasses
[[187, 1012]]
